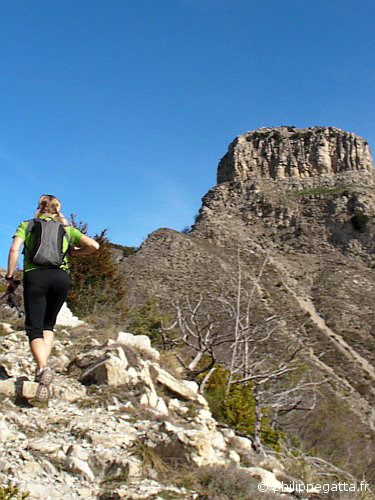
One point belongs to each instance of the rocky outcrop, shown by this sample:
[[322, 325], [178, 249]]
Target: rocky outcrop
[[288, 152], [111, 439]]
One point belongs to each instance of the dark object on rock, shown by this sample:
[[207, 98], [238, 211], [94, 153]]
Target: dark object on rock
[[3, 373]]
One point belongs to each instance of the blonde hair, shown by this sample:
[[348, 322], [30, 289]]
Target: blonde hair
[[50, 205]]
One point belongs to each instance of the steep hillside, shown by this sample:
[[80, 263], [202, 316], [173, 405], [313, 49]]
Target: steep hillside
[[293, 214]]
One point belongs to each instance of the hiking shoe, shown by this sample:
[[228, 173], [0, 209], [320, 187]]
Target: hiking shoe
[[42, 393], [44, 375]]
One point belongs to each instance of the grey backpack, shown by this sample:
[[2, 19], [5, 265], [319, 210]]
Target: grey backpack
[[46, 249]]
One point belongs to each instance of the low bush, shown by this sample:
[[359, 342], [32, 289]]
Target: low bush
[[229, 482], [359, 221], [98, 290], [12, 492], [237, 408], [148, 319]]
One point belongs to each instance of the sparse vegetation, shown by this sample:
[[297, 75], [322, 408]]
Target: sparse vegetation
[[320, 191], [97, 286], [360, 221], [102, 396], [149, 319], [150, 458], [237, 407], [12, 492], [228, 482], [331, 431]]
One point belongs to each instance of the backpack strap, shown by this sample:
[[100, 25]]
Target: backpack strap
[[66, 235], [28, 230]]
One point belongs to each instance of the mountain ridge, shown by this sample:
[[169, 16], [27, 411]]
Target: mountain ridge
[[316, 229]]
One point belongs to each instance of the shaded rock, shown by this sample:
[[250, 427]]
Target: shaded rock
[[109, 369]]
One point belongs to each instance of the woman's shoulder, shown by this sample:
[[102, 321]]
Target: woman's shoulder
[[74, 234], [25, 223], [21, 229]]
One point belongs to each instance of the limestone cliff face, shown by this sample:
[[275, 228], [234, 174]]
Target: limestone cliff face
[[301, 188], [282, 152]]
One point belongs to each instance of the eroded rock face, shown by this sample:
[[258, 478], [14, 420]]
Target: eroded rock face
[[283, 152]]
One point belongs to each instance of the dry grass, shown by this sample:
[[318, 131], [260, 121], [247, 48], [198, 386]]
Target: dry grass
[[150, 459]]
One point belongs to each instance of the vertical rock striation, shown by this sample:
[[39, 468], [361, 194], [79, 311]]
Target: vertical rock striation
[[284, 152]]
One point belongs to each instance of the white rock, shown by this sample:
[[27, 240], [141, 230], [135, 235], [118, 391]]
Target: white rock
[[78, 451], [6, 327], [178, 406], [228, 433], [243, 444], [218, 441], [140, 342], [33, 468], [7, 387], [40, 490], [66, 318], [78, 465], [5, 432], [133, 374], [266, 477], [234, 457], [161, 406], [150, 398], [178, 387], [112, 371], [192, 385]]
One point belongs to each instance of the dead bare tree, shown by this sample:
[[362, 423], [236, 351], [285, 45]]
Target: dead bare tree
[[202, 333], [247, 365]]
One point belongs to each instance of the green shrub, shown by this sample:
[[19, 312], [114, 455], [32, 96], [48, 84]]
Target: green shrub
[[148, 319], [333, 429], [126, 251], [12, 492], [360, 221], [97, 286], [237, 408]]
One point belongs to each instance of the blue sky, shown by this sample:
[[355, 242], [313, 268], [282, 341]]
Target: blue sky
[[123, 109]]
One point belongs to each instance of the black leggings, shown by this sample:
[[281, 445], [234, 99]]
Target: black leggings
[[44, 292]]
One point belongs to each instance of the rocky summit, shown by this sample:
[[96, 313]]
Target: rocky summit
[[290, 224], [287, 152]]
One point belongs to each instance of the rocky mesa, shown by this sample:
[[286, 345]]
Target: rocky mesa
[[293, 215]]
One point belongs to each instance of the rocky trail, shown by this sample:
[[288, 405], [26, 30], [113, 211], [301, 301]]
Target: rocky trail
[[117, 426], [352, 357], [308, 306]]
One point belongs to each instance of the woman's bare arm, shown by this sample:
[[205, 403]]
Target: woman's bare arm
[[13, 255], [87, 246]]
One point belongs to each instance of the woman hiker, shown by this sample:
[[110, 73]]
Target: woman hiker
[[46, 280]]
